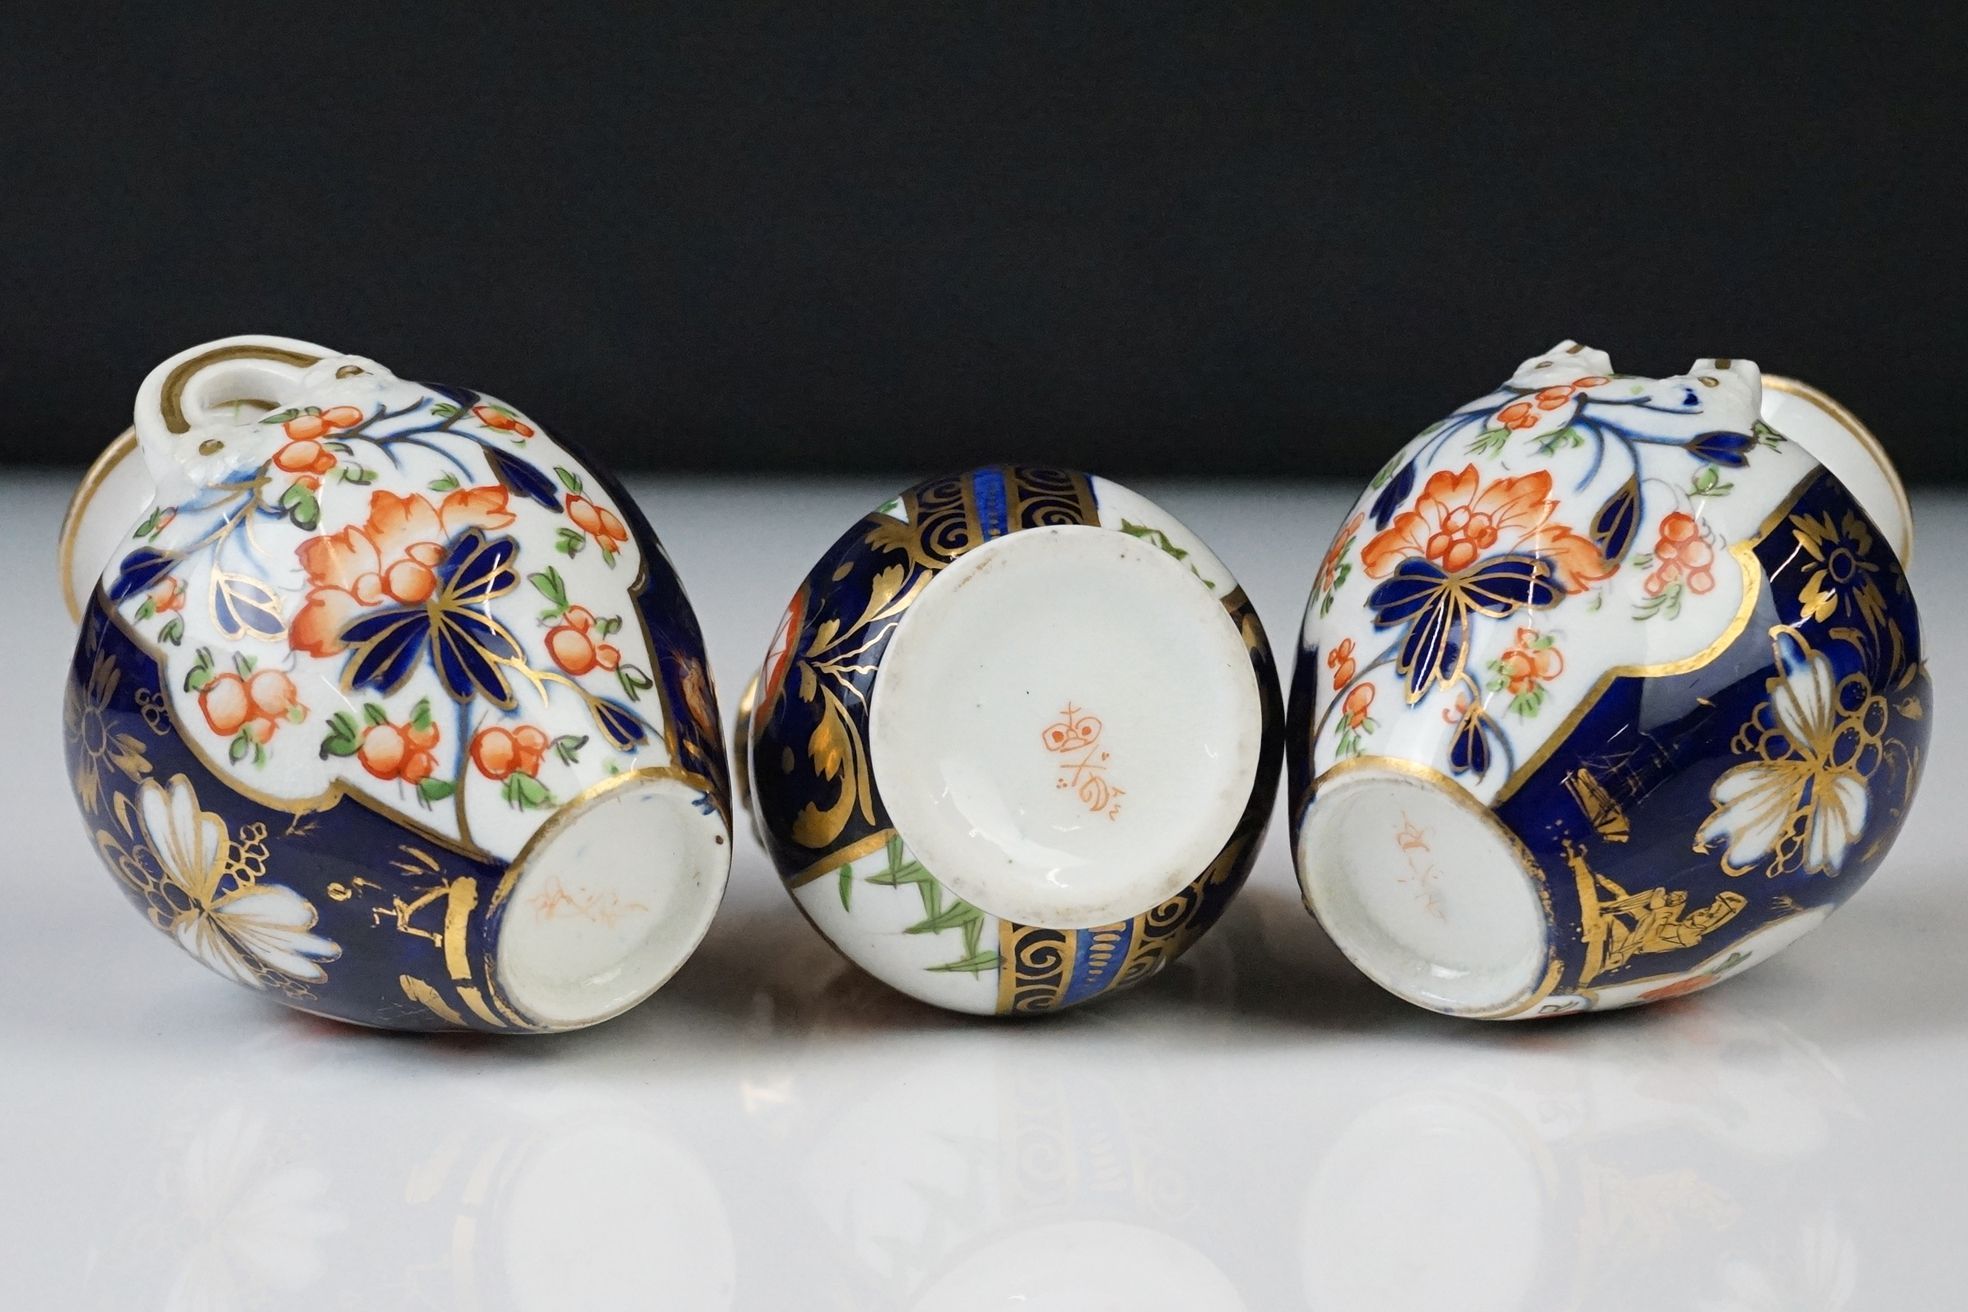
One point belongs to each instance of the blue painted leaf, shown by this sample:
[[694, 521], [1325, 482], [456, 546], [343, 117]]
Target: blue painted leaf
[[477, 569], [461, 397], [243, 606], [140, 569], [386, 647], [522, 477], [1413, 585], [1501, 585], [1469, 750], [1613, 523], [467, 649], [1431, 652], [618, 724], [1393, 495], [1731, 449]]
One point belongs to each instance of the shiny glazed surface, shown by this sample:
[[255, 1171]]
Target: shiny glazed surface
[[1259, 1128]]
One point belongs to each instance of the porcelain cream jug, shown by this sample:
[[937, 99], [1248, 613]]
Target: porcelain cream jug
[[385, 701], [1015, 741], [1609, 688]]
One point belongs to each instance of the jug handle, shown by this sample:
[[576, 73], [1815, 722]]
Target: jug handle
[[190, 389]]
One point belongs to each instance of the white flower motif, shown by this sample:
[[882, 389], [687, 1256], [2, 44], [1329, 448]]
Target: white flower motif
[[1802, 803], [245, 933]]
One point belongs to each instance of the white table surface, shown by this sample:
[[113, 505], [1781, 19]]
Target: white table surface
[[1258, 1128]]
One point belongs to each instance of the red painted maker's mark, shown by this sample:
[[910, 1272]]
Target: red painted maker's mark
[[1076, 737], [1412, 840]]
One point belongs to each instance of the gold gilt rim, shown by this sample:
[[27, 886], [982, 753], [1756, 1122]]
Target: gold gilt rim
[[579, 804], [98, 473], [1866, 439], [170, 403], [1464, 800], [568, 812]]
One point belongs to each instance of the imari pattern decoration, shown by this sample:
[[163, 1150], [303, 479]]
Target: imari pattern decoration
[[1642, 653], [370, 655], [811, 740]]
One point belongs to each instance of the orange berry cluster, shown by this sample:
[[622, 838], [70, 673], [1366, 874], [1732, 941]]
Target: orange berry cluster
[[500, 753], [304, 453], [1523, 414], [1681, 555], [254, 704], [399, 751], [598, 522], [571, 643], [502, 421]]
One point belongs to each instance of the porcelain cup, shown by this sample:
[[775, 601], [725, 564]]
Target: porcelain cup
[[1015, 741], [1609, 688], [386, 701]]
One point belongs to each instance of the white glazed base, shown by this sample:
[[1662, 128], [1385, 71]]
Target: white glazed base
[[1423, 891], [609, 900], [1066, 727]]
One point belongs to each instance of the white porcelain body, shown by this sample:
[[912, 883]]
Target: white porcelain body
[[1607, 686], [1015, 740], [342, 586]]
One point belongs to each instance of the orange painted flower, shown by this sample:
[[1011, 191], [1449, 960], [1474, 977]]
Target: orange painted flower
[[168, 596], [1329, 567], [1340, 661], [1529, 662], [392, 557], [1457, 519], [1517, 414]]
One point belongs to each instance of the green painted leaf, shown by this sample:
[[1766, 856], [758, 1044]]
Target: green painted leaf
[[974, 964], [200, 673], [343, 738], [953, 916], [1156, 538], [301, 507], [551, 586]]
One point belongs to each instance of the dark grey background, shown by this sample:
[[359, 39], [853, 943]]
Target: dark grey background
[[1139, 238]]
